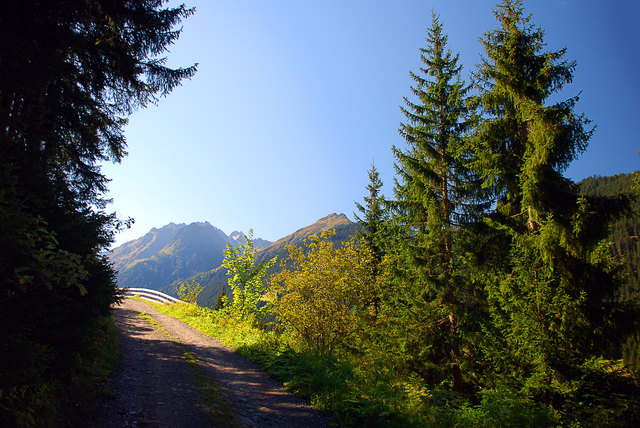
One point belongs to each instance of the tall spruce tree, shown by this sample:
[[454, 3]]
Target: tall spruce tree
[[432, 195], [549, 282], [372, 230], [371, 226], [70, 74]]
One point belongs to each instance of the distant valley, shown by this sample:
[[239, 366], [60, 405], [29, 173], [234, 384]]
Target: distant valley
[[175, 253]]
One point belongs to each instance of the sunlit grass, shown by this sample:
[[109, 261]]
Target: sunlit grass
[[360, 389], [230, 331], [329, 383]]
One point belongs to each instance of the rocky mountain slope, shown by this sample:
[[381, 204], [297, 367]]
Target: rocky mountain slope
[[343, 227], [214, 280], [172, 253], [165, 257]]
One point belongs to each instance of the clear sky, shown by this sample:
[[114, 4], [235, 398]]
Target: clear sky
[[293, 101]]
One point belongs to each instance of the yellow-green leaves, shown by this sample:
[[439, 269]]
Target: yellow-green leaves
[[321, 291], [245, 278], [188, 292]]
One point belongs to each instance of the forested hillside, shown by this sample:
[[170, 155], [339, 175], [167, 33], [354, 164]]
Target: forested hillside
[[625, 232], [625, 236]]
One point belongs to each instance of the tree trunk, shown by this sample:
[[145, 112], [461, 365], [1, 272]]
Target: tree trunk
[[455, 353]]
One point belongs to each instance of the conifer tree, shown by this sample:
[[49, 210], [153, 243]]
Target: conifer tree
[[372, 232], [71, 72], [370, 227], [550, 276], [432, 192]]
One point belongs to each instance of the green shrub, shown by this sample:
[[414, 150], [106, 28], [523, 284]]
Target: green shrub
[[504, 409], [188, 292]]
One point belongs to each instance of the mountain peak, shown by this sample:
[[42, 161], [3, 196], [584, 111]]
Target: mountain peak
[[165, 256], [334, 216], [331, 221], [343, 227]]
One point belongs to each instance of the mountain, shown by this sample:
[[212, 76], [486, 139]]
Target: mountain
[[238, 238], [172, 253], [343, 227], [165, 257], [214, 280], [145, 247]]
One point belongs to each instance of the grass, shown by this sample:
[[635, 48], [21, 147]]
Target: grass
[[358, 389], [329, 383], [230, 331]]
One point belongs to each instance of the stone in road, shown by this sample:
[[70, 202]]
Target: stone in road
[[154, 385]]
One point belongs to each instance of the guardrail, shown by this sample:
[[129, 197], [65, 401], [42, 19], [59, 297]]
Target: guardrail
[[151, 295]]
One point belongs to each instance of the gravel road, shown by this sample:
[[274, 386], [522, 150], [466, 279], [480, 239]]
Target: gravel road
[[154, 384]]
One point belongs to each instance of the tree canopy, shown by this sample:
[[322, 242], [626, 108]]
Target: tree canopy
[[433, 194], [70, 74]]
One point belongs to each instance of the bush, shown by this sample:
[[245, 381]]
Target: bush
[[320, 296], [504, 409], [188, 292]]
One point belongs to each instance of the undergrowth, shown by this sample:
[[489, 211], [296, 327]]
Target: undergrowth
[[362, 391], [331, 384], [65, 397]]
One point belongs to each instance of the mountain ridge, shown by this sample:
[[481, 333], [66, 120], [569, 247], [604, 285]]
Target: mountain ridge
[[215, 280], [172, 252], [164, 257]]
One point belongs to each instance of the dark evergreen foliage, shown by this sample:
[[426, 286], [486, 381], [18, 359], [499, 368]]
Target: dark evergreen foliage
[[70, 73], [499, 286], [624, 235], [370, 228], [549, 277], [435, 200]]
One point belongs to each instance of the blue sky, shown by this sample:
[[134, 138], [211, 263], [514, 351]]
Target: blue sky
[[294, 100]]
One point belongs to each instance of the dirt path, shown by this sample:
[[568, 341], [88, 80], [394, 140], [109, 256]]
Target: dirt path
[[160, 366]]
